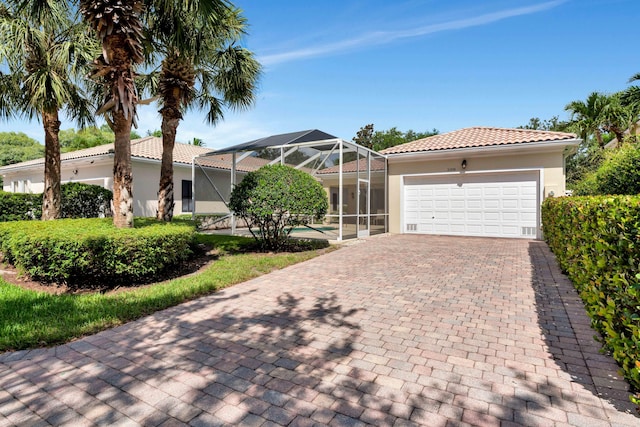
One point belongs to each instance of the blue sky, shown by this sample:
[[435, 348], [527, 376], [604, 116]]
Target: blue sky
[[418, 64]]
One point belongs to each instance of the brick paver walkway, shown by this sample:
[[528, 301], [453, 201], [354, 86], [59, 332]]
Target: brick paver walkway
[[394, 330]]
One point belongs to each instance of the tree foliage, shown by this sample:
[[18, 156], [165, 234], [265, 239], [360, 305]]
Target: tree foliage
[[16, 147], [619, 173], [72, 140], [276, 198], [381, 139]]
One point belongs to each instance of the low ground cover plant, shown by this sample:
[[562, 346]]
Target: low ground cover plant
[[597, 243], [84, 252], [30, 319]]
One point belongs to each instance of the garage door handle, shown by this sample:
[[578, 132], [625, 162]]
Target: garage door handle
[[433, 217]]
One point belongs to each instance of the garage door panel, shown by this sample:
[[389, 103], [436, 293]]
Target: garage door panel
[[501, 205], [510, 203], [492, 216]]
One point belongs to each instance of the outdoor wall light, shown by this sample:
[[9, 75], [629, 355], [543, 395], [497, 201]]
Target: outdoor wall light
[[464, 164]]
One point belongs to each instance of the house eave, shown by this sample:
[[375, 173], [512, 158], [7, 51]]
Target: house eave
[[486, 151]]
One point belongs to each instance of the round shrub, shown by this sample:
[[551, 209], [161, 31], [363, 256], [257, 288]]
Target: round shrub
[[276, 198], [93, 253]]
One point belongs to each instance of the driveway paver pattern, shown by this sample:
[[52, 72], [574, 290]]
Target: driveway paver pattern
[[388, 331]]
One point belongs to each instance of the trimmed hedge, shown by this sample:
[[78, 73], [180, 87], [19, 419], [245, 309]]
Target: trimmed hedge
[[78, 201], [85, 201], [91, 252], [597, 243], [20, 206]]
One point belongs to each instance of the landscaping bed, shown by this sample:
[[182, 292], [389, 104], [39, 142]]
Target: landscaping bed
[[32, 318]]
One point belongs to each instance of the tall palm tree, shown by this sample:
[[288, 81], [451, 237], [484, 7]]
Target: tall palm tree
[[203, 67], [586, 116], [45, 50], [119, 29]]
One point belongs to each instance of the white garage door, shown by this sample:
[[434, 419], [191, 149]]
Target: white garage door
[[495, 205]]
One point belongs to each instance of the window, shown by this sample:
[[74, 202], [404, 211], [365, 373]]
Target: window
[[187, 200]]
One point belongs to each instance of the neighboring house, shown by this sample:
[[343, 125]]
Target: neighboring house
[[95, 166], [478, 181]]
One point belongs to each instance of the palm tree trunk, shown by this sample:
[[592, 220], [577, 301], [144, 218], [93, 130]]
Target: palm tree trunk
[[122, 172], [52, 195], [170, 119]]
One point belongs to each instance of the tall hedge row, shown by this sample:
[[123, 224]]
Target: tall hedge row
[[78, 201], [597, 243], [92, 252]]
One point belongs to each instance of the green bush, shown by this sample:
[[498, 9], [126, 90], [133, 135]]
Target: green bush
[[78, 201], [275, 199], [20, 206], [85, 201], [93, 253], [618, 174], [597, 243]]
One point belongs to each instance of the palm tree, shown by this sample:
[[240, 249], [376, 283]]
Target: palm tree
[[44, 49], [119, 29], [586, 117], [202, 68], [630, 98]]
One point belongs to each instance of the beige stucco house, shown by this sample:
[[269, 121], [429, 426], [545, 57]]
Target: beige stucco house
[[95, 166], [478, 181]]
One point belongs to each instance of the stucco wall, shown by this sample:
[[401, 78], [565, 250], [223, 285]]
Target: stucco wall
[[552, 164]]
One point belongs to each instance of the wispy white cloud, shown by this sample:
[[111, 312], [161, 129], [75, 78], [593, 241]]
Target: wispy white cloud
[[382, 37]]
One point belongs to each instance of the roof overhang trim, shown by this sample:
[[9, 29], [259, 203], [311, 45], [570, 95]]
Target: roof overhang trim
[[492, 150]]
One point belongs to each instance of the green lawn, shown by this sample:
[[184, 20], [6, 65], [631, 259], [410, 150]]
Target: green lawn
[[31, 319]]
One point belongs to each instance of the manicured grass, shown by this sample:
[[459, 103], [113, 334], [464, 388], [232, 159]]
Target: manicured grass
[[31, 319]]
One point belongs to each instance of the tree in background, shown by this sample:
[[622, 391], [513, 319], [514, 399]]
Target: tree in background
[[202, 67], [630, 98], [72, 140], [586, 117], [197, 142], [119, 30], [364, 136], [619, 173], [379, 140], [45, 51], [16, 147], [553, 124]]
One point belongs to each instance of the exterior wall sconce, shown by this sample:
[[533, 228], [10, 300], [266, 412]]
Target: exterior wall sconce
[[464, 164]]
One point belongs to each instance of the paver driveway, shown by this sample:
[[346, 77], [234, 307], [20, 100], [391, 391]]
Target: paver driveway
[[394, 330]]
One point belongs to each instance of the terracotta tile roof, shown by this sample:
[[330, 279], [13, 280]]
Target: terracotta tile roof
[[478, 137], [354, 166], [149, 147]]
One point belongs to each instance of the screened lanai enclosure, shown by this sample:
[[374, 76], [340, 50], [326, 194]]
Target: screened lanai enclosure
[[354, 179]]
